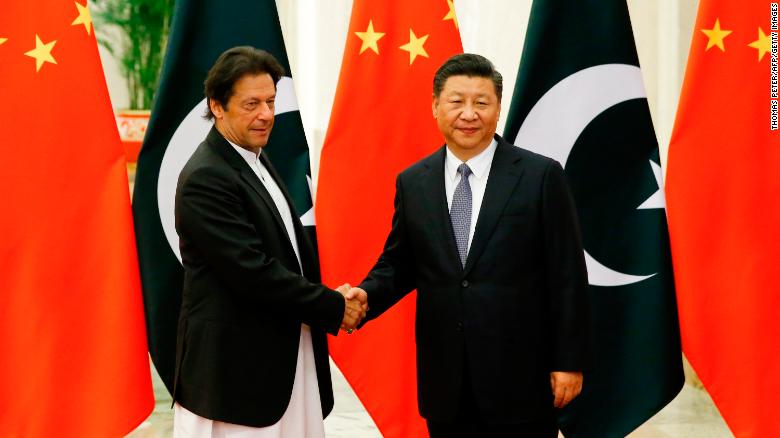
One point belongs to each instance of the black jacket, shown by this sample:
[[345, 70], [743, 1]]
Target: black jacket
[[518, 309], [244, 296]]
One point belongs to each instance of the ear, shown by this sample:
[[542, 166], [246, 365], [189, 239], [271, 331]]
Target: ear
[[216, 108], [434, 105]]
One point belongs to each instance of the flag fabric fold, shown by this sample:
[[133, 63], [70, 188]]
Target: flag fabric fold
[[200, 32], [722, 188], [73, 358], [381, 123], [581, 101]]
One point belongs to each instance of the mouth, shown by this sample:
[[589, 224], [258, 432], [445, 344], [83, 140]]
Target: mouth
[[468, 131]]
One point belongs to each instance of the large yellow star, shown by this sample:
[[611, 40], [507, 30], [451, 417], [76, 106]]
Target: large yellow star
[[2, 40], [716, 36], [84, 18], [415, 46], [451, 14], [369, 38], [41, 53], [762, 44]]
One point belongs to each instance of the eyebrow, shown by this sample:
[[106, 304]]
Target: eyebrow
[[252, 98], [459, 94]]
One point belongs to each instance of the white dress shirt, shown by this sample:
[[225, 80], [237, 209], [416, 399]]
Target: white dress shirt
[[303, 417], [480, 169]]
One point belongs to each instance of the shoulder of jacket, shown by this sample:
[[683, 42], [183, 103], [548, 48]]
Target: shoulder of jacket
[[206, 163]]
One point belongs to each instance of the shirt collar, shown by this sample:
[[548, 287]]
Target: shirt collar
[[246, 154], [479, 164]]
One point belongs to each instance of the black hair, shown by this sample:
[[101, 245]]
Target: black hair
[[467, 64], [231, 66]]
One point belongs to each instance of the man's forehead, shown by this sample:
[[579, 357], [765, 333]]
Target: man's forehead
[[464, 79], [459, 83], [256, 92], [251, 85]]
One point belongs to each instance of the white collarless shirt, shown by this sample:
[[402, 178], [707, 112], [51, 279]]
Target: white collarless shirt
[[276, 193], [480, 170], [303, 417]]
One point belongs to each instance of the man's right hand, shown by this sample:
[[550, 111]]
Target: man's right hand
[[356, 306]]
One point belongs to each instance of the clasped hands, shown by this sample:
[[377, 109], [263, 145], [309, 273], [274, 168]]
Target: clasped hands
[[356, 306]]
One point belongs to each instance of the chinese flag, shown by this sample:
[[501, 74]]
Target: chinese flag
[[380, 124], [724, 216], [73, 359]]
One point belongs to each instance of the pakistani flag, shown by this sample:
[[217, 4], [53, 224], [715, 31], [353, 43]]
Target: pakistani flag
[[201, 31], [579, 99]]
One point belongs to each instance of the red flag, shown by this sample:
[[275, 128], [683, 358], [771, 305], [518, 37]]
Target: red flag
[[380, 124], [73, 358], [724, 218]]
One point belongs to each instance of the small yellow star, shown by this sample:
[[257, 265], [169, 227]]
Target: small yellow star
[[370, 38], [451, 14], [716, 36], [41, 53], [2, 40], [84, 18], [415, 46], [762, 44]]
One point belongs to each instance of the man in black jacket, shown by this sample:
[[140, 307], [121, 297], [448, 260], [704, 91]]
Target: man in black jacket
[[252, 354], [487, 233]]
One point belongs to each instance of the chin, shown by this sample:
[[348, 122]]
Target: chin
[[471, 145]]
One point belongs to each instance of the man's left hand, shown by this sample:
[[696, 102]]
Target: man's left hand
[[565, 386]]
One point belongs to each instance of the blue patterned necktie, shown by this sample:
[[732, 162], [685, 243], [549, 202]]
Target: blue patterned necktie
[[460, 212]]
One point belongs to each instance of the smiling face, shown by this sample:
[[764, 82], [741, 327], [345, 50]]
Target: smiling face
[[248, 117], [467, 111]]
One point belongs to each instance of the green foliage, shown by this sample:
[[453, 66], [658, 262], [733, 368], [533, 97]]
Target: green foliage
[[139, 44]]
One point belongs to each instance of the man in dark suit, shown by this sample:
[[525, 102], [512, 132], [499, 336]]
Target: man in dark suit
[[487, 233], [252, 355]]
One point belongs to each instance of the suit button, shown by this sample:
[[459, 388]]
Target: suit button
[[460, 326], [465, 283]]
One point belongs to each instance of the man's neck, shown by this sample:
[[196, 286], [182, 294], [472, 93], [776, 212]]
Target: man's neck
[[466, 154], [226, 135]]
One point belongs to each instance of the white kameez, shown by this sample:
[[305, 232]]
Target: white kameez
[[303, 417]]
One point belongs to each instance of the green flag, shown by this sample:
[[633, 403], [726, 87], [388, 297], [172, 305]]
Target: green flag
[[200, 32], [579, 99]]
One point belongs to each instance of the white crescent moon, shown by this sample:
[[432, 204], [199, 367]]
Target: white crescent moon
[[190, 133], [559, 117]]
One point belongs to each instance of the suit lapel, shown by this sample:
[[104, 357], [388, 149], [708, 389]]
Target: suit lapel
[[305, 247], [432, 184], [235, 160], [251, 178], [505, 173]]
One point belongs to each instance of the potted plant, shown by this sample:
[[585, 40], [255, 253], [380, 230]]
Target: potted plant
[[135, 33]]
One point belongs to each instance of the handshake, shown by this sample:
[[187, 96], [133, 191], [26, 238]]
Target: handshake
[[356, 306]]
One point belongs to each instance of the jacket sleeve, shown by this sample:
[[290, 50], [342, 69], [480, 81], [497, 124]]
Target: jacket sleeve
[[392, 277], [211, 217], [567, 278]]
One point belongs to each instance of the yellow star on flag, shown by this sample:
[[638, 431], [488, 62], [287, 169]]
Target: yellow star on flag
[[415, 46], [369, 38], [41, 53], [84, 18], [762, 44], [451, 14], [2, 40], [716, 36]]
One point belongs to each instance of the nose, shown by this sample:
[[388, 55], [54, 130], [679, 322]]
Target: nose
[[266, 112], [468, 113]]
